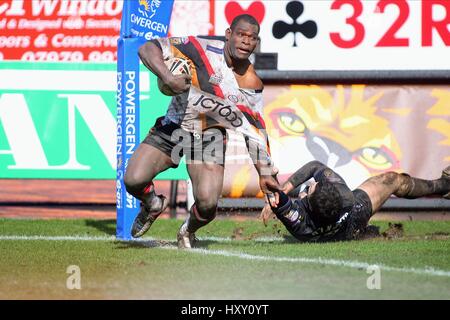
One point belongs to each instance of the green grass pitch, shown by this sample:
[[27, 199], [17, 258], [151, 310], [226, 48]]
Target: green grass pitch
[[235, 260]]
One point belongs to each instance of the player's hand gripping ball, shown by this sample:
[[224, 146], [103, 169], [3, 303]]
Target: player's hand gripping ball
[[176, 66]]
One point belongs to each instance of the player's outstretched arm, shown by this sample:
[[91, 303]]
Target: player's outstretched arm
[[152, 57], [268, 181], [266, 171], [303, 174]]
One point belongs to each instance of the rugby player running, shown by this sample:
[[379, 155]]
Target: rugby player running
[[222, 92]]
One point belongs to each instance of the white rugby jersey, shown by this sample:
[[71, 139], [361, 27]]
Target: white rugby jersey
[[214, 98]]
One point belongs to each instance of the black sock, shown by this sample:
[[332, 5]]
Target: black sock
[[196, 221]]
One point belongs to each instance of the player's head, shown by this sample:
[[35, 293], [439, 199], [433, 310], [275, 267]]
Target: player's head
[[329, 201], [244, 18], [242, 36]]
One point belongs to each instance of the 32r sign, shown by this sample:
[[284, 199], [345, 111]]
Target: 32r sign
[[356, 34], [391, 38]]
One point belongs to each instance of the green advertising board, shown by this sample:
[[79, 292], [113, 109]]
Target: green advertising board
[[58, 120]]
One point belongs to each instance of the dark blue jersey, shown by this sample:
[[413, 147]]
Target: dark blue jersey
[[297, 215]]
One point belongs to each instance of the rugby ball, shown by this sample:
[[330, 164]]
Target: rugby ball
[[176, 66]]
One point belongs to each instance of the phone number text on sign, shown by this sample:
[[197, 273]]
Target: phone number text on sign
[[70, 56], [60, 30]]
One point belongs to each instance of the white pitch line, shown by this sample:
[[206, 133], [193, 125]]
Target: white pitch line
[[58, 238], [323, 261], [165, 244]]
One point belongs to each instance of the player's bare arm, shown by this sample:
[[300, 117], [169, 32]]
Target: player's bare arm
[[152, 57]]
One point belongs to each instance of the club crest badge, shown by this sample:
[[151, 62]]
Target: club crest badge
[[216, 79]]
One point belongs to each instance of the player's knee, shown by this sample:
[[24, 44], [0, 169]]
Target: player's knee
[[206, 206], [391, 178], [132, 182], [401, 183]]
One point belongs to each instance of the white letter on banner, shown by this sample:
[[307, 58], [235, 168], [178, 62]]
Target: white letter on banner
[[16, 8], [113, 8], [99, 120], [130, 112], [48, 6], [21, 133]]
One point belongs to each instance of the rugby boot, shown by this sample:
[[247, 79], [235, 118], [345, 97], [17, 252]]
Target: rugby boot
[[147, 215], [185, 239]]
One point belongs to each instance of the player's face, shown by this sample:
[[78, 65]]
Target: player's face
[[242, 40]]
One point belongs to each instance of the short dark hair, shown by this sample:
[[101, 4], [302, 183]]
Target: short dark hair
[[326, 204], [245, 17]]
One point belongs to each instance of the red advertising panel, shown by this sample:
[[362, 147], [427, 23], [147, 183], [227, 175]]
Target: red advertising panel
[[60, 30]]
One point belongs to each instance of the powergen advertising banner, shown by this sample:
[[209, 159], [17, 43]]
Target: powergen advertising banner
[[142, 20]]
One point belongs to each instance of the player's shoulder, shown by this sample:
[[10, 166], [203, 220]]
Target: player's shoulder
[[252, 80], [210, 44]]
